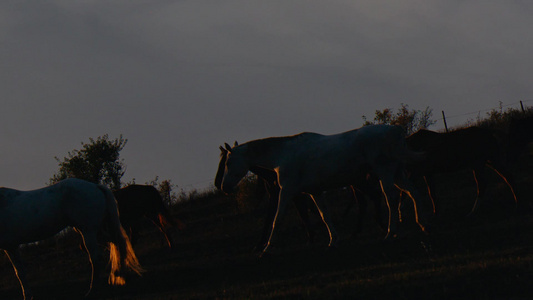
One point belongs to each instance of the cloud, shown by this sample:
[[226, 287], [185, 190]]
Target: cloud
[[178, 78]]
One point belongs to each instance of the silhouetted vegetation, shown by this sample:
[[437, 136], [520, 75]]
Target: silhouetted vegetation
[[98, 161], [499, 119], [411, 120]]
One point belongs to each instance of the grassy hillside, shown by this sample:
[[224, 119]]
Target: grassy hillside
[[485, 256]]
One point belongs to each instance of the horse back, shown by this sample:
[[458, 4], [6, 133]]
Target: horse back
[[468, 147], [37, 214], [384, 143], [136, 201], [332, 161]]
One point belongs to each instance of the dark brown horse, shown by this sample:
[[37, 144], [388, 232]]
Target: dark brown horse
[[471, 148], [138, 201], [520, 135]]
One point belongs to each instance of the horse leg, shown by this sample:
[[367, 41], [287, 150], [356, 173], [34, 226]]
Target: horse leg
[[351, 203], [133, 232], [302, 205], [284, 195], [377, 210], [481, 186], [159, 221], [273, 198], [20, 271], [507, 178], [326, 218], [410, 195], [407, 187], [91, 246], [373, 190], [431, 188], [159, 224], [361, 201], [388, 193]]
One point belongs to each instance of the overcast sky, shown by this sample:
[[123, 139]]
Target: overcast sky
[[179, 78]]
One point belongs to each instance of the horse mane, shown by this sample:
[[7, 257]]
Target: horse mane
[[257, 148], [6, 194]]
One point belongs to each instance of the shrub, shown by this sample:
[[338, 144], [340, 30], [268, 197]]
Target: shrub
[[410, 120]]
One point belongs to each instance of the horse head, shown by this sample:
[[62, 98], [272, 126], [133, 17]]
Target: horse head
[[222, 165], [234, 168]]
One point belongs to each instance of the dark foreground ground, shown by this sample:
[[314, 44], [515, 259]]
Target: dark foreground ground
[[485, 256]]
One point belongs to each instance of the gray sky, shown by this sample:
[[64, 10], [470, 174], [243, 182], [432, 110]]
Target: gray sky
[[179, 78]]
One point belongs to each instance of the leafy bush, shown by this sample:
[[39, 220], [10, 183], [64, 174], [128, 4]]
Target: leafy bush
[[98, 161], [410, 120], [500, 119]]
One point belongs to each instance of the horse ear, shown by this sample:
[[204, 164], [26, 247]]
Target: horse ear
[[228, 147], [222, 149], [235, 144]]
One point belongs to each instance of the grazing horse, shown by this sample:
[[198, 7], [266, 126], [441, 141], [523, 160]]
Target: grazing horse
[[138, 201], [469, 148], [30, 216], [311, 163]]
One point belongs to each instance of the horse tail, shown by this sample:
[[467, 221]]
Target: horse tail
[[120, 250]]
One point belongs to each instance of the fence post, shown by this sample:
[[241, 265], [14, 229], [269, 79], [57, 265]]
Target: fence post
[[444, 119]]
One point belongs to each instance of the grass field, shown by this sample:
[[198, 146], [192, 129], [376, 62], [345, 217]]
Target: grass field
[[488, 255]]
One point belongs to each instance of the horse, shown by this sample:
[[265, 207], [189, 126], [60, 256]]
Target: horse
[[469, 148], [520, 134], [30, 216], [137, 201], [311, 163], [303, 202], [270, 182]]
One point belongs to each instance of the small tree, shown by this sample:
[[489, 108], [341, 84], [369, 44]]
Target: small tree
[[98, 161], [165, 188], [410, 120]]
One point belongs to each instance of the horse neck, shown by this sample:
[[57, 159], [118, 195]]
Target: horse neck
[[266, 153], [266, 174]]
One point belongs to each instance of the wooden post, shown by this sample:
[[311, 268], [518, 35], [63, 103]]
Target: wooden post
[[444, 119]]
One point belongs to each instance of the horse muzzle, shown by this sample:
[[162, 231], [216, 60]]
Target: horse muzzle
[[227, 188]]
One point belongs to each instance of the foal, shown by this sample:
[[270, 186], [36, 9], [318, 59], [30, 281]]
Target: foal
[[138, 201]]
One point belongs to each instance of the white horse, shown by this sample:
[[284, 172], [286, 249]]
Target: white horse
[[29, 216], [312, 163]]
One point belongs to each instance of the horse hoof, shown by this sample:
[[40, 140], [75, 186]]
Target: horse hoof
[[259, 248], [265, 255], [390, 237], [332, 249], [426, 230]]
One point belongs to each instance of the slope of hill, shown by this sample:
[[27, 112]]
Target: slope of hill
[[485, 256]]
